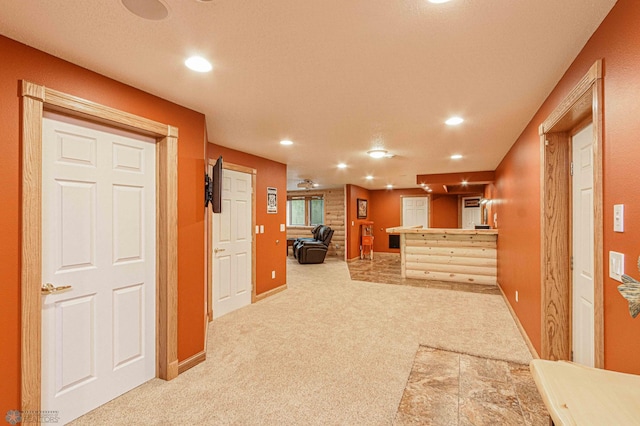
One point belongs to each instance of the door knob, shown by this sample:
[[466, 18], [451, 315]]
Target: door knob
[[49, 288], [217, 250]]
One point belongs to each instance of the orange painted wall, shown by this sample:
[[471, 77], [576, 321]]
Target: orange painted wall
[[22, 62], [518, 187], [353, 231], [386, 208], [271, 252], [444, 211]]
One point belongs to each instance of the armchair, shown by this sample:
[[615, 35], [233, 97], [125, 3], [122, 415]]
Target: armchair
[[313, 250]]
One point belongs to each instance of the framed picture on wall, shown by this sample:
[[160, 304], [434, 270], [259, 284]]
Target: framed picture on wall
[[362, 208], [272, 200]]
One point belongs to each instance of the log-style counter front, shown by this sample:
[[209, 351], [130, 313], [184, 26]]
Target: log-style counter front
[[457, 255]]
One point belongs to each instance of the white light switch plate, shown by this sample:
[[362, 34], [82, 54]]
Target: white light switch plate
[[616, 265], [262, 229], [282, 227], [618, 218]]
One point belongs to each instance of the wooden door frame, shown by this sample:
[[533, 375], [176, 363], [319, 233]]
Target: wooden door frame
[[582, 105], [253, 173], [35, 99]]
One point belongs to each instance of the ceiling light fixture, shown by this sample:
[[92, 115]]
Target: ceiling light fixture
[[456, 156], [198, 64], [389, 186], [464, 183], [342, 166], [369, 177], [377, 153], [438, 1], [454, 121], [286, 142], [429, 190]]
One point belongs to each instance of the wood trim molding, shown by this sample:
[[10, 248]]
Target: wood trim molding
[[35, 99], [271, 292], [582, 104], [523, 332], [584, 86], [192, 361]]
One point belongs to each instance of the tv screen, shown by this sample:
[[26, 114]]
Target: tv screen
[[217, 186]]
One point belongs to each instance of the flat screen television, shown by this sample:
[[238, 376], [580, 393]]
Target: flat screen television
[[216, 199]]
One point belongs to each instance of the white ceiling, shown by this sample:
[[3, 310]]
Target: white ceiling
[[337, 77]]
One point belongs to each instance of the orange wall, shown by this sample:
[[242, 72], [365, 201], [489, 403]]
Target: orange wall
[[444, 211], [518, 187], [353, 231], [271, 252], [22, 62], [386, 208]]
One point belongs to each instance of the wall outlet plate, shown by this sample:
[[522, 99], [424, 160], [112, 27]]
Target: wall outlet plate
[[616, 265]]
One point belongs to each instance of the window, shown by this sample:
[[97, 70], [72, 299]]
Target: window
[[305, 211]]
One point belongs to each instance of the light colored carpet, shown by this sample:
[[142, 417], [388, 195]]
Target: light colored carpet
[[326, 351]]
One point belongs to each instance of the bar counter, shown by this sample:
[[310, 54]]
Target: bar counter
[[455, 255]]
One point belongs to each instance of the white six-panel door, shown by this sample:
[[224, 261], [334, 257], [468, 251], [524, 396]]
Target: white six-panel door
[[232, 244], [98, 225], [471, 216], [415, 211], [583, 254]]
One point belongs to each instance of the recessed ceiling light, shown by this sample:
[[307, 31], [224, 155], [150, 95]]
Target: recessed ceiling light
[[429, 190], [286, 142], [377, 153], [464, 183], [454, 121], [456, 156], [198, 63], [369, 177], [342, 166], [389, 186], [438, 1], [315, 185], [423, 184], [154, 10]]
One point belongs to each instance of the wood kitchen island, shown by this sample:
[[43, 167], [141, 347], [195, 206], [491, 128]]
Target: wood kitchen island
[[455, 255]]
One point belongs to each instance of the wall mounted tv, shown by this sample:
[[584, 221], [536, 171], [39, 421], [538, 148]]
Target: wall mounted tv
[[216, 199]]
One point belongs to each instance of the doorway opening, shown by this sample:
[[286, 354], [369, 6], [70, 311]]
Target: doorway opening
[[580, 108], [211, 240]]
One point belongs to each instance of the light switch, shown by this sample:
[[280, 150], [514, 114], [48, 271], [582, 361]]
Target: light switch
[[616, 265], [618, 218], [282, 227], [257, 229], [262, 229]]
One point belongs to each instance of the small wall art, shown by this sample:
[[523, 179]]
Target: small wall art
[[272, 200], [362, 208]]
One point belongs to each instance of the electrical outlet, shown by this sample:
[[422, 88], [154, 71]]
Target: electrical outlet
[[616, 265], [516, 295], [273, 275]]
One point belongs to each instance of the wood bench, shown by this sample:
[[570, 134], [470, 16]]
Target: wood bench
[[579, 395]]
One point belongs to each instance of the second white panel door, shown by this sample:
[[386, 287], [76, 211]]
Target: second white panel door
[[232, 244]]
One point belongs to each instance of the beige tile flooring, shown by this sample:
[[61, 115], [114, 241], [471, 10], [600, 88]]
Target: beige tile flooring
[[449, 388]]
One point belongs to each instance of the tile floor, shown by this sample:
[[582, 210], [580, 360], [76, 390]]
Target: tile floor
[[448, 388]]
